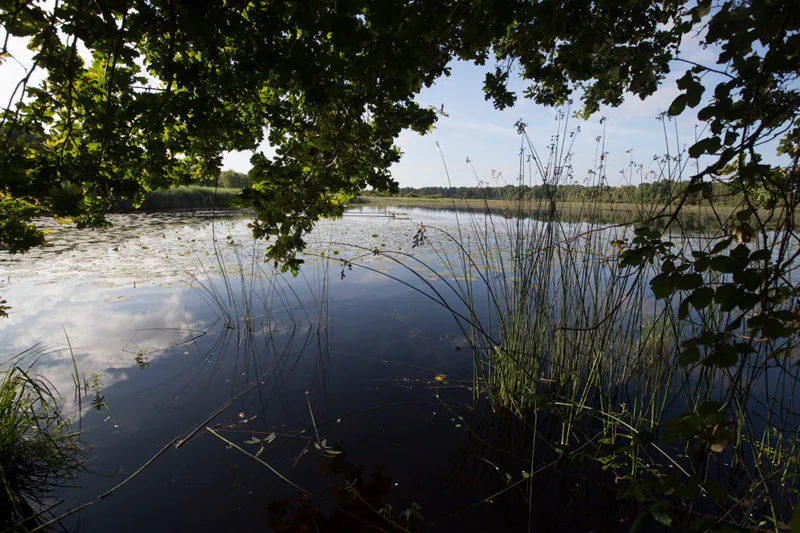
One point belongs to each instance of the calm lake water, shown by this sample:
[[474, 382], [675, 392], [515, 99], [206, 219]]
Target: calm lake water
[[215, 393], [177, 331]]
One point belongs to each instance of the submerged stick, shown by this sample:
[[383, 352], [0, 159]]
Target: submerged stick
[[271, 469], [224, 406]]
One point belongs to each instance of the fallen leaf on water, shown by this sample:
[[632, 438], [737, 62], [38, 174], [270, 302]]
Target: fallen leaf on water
[[115, 299]]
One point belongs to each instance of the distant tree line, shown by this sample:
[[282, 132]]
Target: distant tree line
[[647, 193], [227, 179]]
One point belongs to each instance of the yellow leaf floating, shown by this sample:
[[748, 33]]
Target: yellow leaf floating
[[440, 377]]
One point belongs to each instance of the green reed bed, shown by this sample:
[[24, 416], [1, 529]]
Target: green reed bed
[[695, 217], [188, 197]]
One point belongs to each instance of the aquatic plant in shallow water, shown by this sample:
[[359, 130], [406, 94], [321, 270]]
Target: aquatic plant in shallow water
[[39, 450]]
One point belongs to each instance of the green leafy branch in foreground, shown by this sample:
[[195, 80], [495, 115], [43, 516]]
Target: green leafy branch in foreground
[[20, 234], [736, 311], [735, 297]]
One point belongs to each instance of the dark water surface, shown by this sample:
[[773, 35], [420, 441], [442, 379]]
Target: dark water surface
[[217, 394], [170, 349]]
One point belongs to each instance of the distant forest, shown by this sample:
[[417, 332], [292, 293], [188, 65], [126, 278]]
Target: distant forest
[[227, 179], [658, 192], [645, 193]]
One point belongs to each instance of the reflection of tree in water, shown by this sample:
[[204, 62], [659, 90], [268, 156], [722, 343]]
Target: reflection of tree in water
[[356, 504]]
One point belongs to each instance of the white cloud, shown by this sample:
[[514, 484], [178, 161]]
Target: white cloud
[[100, 332]]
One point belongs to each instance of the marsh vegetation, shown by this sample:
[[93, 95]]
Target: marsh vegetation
[[638, 370]]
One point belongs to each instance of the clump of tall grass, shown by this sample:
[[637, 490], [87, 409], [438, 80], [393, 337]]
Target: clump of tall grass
[[39, 450], [540, 295], [551, 316]]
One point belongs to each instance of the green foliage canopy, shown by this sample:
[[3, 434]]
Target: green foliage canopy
[[230, 179], [169, 85]]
